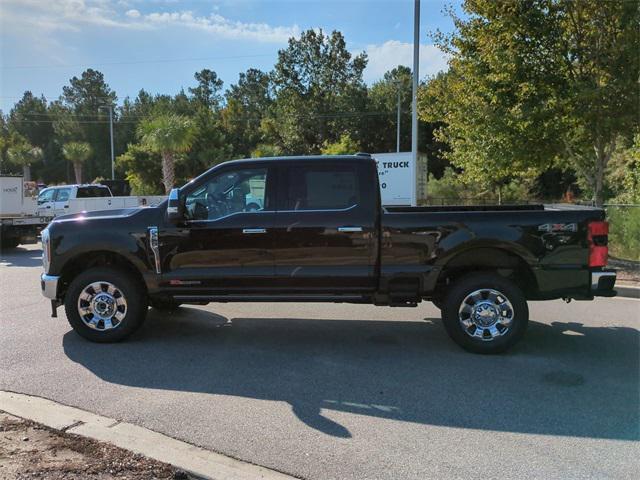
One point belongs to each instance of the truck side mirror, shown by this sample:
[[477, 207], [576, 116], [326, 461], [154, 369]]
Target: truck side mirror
[[175, 211]]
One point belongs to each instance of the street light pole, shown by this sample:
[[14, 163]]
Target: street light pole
[[414, 100]]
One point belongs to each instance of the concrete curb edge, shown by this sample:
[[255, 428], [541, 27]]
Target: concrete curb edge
[[195, 460], [627, 291]]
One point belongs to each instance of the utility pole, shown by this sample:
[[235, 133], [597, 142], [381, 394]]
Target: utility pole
[[113, 171], [414, 101]]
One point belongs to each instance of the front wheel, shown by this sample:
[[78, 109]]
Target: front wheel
[[105, 305], [485, 313]]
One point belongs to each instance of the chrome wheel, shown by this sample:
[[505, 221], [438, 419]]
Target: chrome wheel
[[486, 314], [102, 306]]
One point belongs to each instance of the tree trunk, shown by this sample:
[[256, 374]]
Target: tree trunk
[[168, 171], [603, 154], [26, 173], [77, 168]]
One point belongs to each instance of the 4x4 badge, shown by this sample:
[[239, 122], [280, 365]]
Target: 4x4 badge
[[558, 227]]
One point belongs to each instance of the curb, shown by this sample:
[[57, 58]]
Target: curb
[[195, 460], [627, 291]]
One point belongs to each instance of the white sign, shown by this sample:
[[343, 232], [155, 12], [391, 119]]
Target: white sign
[[396, 174]]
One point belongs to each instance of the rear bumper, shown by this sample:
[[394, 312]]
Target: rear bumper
[[49, 286], [602, 283]]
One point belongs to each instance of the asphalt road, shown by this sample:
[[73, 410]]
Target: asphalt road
[[348, 392]]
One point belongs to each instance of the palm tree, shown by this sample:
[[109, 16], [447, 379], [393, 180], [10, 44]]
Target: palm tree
[[167, 134], [25, 155], [77, 153]]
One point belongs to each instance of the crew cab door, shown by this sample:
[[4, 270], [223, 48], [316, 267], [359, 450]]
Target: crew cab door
[[226, 243], [326, 227]]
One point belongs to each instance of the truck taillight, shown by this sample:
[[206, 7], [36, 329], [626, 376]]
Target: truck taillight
[[598, 237]]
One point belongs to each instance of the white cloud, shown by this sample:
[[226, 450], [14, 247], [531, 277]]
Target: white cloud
[[221, 26], [37, 15], [392, 53]]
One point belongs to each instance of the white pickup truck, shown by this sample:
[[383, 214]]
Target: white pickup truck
[[68, 199]]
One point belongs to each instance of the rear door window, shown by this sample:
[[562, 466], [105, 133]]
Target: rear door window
[[91, 192], [321, 188]]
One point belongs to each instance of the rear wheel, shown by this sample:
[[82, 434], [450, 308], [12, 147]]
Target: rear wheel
[[485, 313], [105, 305]]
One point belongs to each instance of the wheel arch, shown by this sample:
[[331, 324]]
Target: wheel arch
[[504, 262], [97, 258]]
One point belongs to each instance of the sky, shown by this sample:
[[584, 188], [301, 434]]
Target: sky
[[158, 45]]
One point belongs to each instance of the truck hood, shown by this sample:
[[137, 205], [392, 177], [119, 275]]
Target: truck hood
[[117, 213]]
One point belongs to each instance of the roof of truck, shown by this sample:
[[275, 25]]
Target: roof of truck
[[317, 158]]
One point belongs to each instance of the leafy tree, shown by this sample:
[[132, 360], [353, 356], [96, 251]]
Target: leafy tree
[[247, 104], [143, 170], [383, 106], [265, 150], [530, 82], [207, 93], [30, 118], [167, 134], [87, 98], [345, 145], [24, 155], [77, 153], [319, 92]]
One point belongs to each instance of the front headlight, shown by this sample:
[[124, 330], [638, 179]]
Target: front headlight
[[46, 249]]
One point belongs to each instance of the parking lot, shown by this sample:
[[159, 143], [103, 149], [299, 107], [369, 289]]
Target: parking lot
[[347, 391]]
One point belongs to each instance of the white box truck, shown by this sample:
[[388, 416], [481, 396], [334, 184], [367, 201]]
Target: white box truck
[[19, 220]]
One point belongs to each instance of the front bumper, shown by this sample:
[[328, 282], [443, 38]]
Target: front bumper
[[602, 283], [49, 286]]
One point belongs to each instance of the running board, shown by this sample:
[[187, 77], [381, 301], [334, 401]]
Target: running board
[[272, 298]]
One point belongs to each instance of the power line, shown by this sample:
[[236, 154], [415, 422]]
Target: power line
[[299, 116], [135, 62]]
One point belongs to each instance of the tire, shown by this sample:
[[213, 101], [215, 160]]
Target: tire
[[164, 304], [495, 316], [9, 243], [121, 297]]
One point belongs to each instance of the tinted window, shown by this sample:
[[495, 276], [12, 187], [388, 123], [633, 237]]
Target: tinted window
[[62, 195], [88, 192], [321, 188], [228, 193]]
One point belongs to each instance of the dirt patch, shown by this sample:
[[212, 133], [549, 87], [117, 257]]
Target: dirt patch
[[30, 450], [628, 270]]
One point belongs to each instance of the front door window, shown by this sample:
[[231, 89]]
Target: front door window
[[228, 193]]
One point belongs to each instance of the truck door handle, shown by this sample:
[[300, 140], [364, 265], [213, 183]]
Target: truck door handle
[[254, 230], [349, 229]]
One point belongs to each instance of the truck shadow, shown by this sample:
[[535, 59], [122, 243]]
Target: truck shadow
[[564, 379], [21, 257]]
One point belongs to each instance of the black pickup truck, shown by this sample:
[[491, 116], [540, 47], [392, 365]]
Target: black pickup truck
[[312, 229]]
